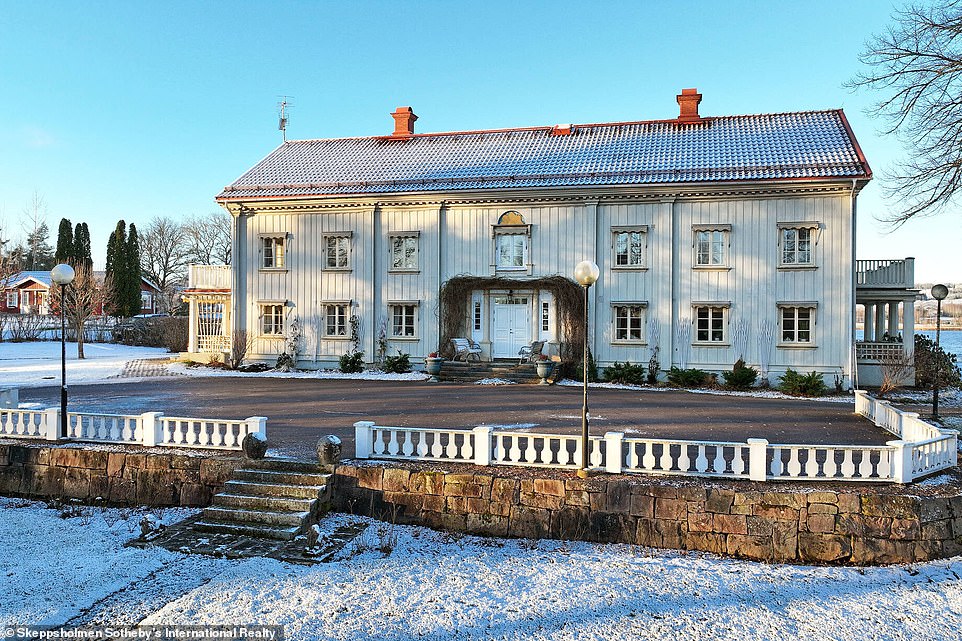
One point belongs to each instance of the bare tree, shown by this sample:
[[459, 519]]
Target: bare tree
[[82, 298], [916, 65], [164, 255], [895, 366], [210, 238], [38, 253]]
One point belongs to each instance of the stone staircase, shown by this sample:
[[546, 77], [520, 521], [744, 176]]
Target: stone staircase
[[460, 372], [272, 498]]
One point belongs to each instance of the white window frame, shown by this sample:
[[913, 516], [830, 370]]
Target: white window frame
[[812, 228], [795, 308], [413, 321], [270, 258], [273, 317], [146, 300], [13, 299], [514, 232], [642, 231], [409, 236], [724, 233], [342, 324], [716, 310], [641, 318], [326, 239]]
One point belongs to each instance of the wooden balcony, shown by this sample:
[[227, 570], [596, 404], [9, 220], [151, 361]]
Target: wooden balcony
[[209, 277], [885, 274]]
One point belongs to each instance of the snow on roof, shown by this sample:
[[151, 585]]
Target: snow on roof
[[42, 277], [788, 146]]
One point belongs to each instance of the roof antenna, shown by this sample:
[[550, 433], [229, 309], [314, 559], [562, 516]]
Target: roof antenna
[[283, 118]]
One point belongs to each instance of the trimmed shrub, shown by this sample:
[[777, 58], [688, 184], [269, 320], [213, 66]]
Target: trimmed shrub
[[796, 384], [688, 377], [400, 364], [741, 377], [625, 374], [352, 363]]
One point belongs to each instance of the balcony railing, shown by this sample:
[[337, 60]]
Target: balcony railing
[[209, 277], [886, 273], [884, 351]]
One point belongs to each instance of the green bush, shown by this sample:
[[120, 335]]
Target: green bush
[[352, 363], [625, 374], [400, 364], [741, 376], [796, 384], [688, 377], [931, 361]]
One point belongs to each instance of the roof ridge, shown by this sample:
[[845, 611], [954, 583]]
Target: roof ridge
[[616, 123]]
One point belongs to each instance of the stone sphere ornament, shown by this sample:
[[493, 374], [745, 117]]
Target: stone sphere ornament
[[254, 446]]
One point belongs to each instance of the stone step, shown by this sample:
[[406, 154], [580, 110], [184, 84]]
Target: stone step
[[278, 490], [262, 517], [279, 477], [247, 529], [262, 502], [281, 464]]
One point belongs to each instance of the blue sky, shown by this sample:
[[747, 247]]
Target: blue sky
[[131, 110]]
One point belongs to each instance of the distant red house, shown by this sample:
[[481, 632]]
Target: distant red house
[[29, 293]]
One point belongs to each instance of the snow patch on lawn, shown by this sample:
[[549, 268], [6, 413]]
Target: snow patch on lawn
[[494, 381], [443, 586], [759, 393], [37, 363], [367, 375]]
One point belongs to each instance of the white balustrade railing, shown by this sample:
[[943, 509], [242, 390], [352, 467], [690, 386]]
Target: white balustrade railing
[[104, 428], [151, 429], [18, 423], [923, 448], [830, 462], [886, 351], [885, 273], [690, 458]]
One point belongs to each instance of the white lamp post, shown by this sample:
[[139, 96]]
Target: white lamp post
[[586, 273], [939, 292], [63, 275]]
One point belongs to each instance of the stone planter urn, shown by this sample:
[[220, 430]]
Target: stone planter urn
[[544, 370], [432, 365]]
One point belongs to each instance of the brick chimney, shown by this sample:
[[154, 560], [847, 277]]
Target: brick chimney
[[403, 122], [688, 102]]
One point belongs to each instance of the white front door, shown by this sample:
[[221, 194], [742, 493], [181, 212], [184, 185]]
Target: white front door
[[511, 320]]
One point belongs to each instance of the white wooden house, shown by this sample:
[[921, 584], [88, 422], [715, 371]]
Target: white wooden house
[[717, 238]]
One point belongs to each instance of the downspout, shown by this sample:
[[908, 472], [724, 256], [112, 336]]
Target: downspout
[[853, 356]]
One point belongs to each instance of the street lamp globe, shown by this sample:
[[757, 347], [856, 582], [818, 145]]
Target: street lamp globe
[[587, 273], [939, 292], [62, 274]]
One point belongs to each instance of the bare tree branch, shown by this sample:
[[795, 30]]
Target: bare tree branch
[[916, 66]]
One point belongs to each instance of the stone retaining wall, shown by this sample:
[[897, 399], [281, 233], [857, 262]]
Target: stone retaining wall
[[829, 523], [120, 476]]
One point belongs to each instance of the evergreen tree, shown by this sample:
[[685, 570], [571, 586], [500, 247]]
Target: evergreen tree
[[65, 244], [116, 271], [81, 246], [132, 257], [39, 253]]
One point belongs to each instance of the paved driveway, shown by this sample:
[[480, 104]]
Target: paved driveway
[[300, 410]]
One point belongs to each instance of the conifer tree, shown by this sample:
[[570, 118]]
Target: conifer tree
[[132, 256], [116, 271], [81, 246], [65, 243]]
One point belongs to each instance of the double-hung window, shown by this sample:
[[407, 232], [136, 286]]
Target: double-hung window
[[711, 243], [272, 252], [13, 299], [629, 322], [796, 324], [797, 244], [511, 243], [336, 320], [272, 319], [337, 251], [630, 247], [711, 323], [404, 252], [404, 320]]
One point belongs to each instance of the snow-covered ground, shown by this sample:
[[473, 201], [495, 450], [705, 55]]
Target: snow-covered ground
[[444, 586], [37, 363], [367, 375]]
